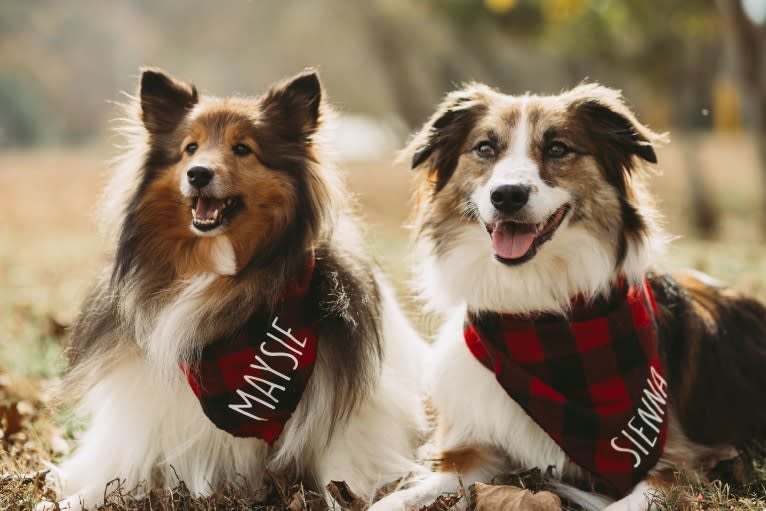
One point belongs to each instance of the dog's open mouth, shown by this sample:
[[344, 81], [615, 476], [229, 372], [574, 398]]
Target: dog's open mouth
[[516, 243], [210, 212]]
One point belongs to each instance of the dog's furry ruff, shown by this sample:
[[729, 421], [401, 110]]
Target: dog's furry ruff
[[171, 290], [610, 230]]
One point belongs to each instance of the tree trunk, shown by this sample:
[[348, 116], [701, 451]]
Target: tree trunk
[[391, 53], [749, 44]]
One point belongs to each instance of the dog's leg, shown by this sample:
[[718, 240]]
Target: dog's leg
[[146, 432], [457, 469], [114, 447], [378, 444]]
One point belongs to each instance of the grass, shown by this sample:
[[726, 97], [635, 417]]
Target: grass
[[50, 251]]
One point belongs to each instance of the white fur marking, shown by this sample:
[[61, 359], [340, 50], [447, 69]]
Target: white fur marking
[[174, 337], [517, 168], [572, 262], [223, 256]]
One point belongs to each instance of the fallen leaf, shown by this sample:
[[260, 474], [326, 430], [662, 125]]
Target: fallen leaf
[[490, 497], [31, 477], [343, 495], [10, 419], [530, 479], [302, 500], [297, 502], [444, 502]]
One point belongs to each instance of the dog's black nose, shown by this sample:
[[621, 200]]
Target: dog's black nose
[[199, 176], [509, 198]]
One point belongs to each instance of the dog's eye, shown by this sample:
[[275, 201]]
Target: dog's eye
[[557, 150], [241, 150], [191, 148], [485, 150]]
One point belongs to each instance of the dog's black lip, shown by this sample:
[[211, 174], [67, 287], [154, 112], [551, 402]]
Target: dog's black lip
[[532, 252], [226, 215], [539, 240]]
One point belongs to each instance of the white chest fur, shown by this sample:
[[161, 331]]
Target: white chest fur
[[475, 408]]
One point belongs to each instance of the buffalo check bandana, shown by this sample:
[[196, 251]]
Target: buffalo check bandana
[[593, 380], [250, 384]]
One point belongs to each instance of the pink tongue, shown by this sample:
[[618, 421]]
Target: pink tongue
[[206, 207], [512, 241]]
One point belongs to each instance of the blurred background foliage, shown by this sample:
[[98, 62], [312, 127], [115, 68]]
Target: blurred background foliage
[[695, 68], [688, 66], [392, 59]]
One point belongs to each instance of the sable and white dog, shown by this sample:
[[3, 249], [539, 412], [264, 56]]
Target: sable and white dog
[[563, 350], [240, 327]]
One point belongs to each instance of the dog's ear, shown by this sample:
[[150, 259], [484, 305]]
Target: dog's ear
[[613, 128], [294, 106], [618, 142], [439, 143], [165, 101]]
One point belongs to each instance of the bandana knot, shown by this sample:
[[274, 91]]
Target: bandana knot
[[592, 380]]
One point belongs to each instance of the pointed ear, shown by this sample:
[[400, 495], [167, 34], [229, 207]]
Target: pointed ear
[[294, 106], [165, 101], [612, 122], [439, 143]]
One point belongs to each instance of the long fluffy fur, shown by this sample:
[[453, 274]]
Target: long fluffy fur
[[612, 230], [169, 292]]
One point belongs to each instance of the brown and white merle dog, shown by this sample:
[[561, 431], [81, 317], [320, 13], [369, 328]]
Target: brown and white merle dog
[[563, 348], [240, 329]]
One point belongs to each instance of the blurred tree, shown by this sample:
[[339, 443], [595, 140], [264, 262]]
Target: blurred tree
[[22, 115], [747, 38], [390, 48], [665, 46]]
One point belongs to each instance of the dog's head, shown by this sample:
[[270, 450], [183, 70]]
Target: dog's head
[[238, 169], [530, 189]]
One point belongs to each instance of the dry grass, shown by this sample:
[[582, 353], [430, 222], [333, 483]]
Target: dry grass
[[50, 251]]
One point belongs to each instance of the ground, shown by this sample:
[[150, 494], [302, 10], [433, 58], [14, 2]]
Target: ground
[[50, 250]]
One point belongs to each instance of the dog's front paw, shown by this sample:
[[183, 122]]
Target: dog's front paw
[[73, 503]]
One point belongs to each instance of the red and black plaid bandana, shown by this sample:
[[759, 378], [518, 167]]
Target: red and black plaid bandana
[[250, 385], [593, 381]]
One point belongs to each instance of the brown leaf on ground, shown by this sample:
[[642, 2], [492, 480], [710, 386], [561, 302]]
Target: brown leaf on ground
[[32, 477], [10, 419], [297, 502], [343, 495], [299, 499], [444, 502], [511, 498], [530, 479]]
